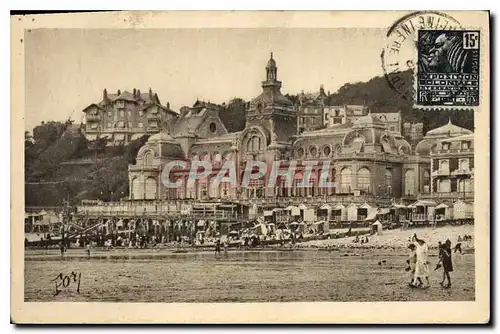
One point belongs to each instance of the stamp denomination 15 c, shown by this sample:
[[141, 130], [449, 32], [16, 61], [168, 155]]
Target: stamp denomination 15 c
[[448, 71]]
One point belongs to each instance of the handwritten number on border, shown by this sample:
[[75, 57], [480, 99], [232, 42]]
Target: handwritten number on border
[[65, 281]]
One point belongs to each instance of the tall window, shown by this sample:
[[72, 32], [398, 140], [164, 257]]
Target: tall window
[[180, 188], [345, 180], [464, 164], [444, 186], [191, 189], [410, 182], [364, 179], [444, 166], [254, 144], [150, 188], [203, 189], [426, 182], [388, 181], [148, 159]]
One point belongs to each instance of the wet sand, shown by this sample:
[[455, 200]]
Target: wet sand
[[244, 276]]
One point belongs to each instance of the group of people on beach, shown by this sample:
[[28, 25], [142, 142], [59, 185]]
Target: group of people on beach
[[361, 240], [418, 263]]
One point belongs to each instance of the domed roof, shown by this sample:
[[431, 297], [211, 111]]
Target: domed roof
[[162, 137], [449, 129]]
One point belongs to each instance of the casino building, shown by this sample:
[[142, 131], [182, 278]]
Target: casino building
[[371, 163]]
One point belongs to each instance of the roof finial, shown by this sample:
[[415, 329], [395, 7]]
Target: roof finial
[[271, 55]]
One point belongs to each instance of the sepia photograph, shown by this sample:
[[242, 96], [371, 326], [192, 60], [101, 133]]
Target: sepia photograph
[[342, 158]]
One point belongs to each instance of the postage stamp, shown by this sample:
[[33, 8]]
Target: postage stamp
[[448, 68], [163, 173]]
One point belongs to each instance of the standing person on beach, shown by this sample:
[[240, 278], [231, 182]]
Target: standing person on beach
[[447, 263], [226, 254], [87, 246], [217, 247], [421, 266], [412, 260]]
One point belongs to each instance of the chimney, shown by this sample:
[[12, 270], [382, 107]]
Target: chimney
[[134, 93], [168, 105], [105, 94], [150, 93], [138, 94], [119, 93]]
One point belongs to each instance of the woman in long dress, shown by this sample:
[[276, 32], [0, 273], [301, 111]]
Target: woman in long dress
[[422, 265], [447, 263]]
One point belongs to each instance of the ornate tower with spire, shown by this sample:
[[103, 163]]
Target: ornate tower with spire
[[272, 105]]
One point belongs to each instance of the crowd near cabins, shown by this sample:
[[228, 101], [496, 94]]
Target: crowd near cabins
[[383, 169]]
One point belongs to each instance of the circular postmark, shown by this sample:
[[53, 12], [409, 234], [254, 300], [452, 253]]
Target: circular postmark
[[400, 54]]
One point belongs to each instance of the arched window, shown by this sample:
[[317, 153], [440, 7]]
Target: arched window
[[426, 182], [388, 181], [444, 166], [297, 180], [217, 159], [410, 182], [137, 192], [191, 189], [180, 188], [364, 179], [148, 158], [464, 164], [313, 181], [225, 190], [150, 188], [214, 188], [203, 188], [345, 180]]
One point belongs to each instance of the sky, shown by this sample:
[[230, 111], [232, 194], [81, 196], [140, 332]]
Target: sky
[[67, 69]]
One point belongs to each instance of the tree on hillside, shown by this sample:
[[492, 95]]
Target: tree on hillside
[[63, 149], [48, 132], [380, 97], [133, 147], [233, 115]]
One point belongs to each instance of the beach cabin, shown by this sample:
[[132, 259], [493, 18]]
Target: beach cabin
[[302, 209], [423, 211], [377, 227], [401, 213], [352, 212], [309, 215], [281, 215], [268, 216], [367, 212], [463, 210], [444, 211], [294, 211], [324, 212], [339, 213]]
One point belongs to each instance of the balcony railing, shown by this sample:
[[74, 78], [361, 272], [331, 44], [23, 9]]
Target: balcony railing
[[93, 118], [449, 195], [440, 172], [463, 172], [154, 116], [454, 150]]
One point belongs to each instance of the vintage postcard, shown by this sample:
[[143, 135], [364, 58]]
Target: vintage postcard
[[251, 167]]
